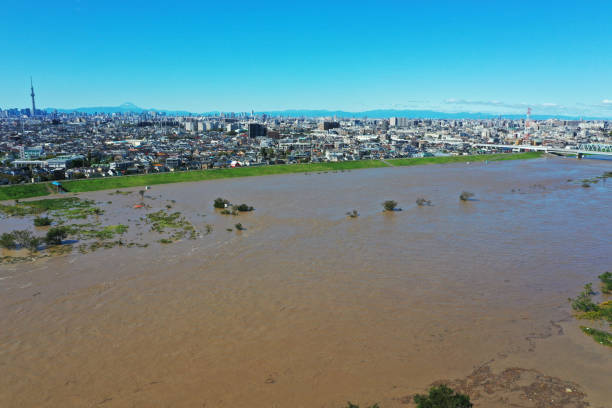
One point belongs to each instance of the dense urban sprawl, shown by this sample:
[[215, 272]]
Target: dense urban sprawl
[[59, 146]]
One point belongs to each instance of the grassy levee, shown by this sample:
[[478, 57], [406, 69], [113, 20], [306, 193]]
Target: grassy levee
[[24, 191], [84, 185], [462, 159], [78, 186]]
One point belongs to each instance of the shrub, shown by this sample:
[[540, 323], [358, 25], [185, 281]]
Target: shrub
[[442, 397], [221, 203], [209, 229], [584, 302], [32, 243], [606, 282], [56, 235], [42, 221], [599, 336], [7, 240], [465, 195], [21, 238], [422, 202], [239, 227], [230, 211], [244, 207], [353, 214], [390, 205], [586, 185]]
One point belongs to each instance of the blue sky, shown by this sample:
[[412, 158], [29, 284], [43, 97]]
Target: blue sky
[[477, 56]]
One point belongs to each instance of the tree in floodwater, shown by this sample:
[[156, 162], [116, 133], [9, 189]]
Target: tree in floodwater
[[353, 214], [423, 202], [442, 397], [465, 195], [56, 235], [20, 238], [584, 301], [221, 203], [390, 205]]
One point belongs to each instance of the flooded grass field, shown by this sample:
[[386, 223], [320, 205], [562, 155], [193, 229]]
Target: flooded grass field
[[307, 307]]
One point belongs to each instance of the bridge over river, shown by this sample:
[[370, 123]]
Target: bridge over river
[[578, 151]]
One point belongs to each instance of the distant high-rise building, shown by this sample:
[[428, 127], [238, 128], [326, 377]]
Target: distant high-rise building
[[32, 95], [327, 125], [233, 126], [399, 122], [257, 130]]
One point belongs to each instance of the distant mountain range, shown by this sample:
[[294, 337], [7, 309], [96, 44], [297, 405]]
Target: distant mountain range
[[123, 108], [375, 114]]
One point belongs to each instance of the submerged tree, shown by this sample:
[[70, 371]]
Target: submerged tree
[[221, 203], [442, 397], [20, 239], [42, 221], [465, 196], [353, 214], [56, 235], [244, 207], [423, 202], [390, 205], [606, 282], [7, 240], [584, 301]]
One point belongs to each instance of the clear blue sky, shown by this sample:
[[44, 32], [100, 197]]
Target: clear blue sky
[[487, 56]]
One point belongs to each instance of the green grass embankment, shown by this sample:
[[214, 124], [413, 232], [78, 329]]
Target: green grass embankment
[[96, 184], [19, 191], [213, 174], [415, 161]]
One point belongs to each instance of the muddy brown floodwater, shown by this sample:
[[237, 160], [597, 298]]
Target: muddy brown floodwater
[[310, 308]]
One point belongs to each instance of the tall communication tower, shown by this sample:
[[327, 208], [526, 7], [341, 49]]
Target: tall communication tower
[[527, 124], [32, 95], [528, 121]]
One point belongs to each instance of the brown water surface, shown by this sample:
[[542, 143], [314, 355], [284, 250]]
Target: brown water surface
[[310, 308]]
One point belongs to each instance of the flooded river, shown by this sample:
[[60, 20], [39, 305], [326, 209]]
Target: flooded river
[[310, 308]]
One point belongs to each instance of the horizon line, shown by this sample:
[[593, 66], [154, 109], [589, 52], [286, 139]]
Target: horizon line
[[128, 107]]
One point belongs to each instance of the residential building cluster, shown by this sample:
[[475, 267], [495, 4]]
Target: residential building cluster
[[61, 146]]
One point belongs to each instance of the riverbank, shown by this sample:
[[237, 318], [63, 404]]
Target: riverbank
[[78, 186]]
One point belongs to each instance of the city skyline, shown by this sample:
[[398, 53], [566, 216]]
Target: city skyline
[[130, 108], [473, 57]]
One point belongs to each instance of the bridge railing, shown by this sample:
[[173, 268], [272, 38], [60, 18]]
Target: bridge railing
[[596, 147]]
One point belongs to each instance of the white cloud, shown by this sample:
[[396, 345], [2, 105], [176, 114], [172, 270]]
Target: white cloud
[[607, 101]]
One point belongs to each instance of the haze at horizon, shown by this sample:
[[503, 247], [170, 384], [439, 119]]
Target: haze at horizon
[[354, 56]]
